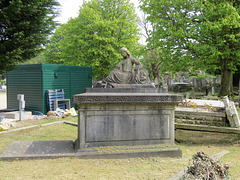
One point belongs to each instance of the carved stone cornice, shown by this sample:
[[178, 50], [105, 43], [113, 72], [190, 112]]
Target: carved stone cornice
[[126, 98]]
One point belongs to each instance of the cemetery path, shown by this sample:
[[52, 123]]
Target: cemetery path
[[3, 100]]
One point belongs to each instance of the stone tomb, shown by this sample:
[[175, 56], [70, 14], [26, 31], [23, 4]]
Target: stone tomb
[[125, 117]]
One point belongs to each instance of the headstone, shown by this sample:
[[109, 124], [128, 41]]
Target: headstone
[[231, 112], [213, 91]]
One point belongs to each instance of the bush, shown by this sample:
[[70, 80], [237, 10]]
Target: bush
[[3, 81]]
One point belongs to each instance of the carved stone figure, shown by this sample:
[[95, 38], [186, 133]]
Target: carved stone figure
[[128, 71]]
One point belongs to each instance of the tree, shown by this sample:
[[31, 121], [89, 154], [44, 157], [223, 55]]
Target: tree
[[25, 26], [152, 59], [95, 37], [35, 60], [152, 63], [197, 34]]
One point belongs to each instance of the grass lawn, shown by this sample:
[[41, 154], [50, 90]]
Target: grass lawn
[[73, 168]]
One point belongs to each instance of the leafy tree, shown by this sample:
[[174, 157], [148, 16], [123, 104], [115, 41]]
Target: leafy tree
[[197, 34], [95, 37], [152, 63], [25, 26], [152, 59], [36, 60]]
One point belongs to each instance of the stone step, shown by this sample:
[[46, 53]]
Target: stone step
[[184, 115], [199, 122]]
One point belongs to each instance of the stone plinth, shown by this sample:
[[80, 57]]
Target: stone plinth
[[15, 115], [125, 117]]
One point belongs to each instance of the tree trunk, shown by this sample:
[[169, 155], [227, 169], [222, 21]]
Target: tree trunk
[[226, 80], [155, 71]]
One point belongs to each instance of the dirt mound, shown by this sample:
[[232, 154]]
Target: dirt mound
[[204, 167]]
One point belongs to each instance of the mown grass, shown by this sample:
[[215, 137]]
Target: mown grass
[[53, 132], [73, 168]]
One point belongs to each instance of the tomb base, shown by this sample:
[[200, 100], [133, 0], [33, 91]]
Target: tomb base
[[120, 117]]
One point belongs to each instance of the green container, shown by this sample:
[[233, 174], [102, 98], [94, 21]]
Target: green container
[[34, 79]]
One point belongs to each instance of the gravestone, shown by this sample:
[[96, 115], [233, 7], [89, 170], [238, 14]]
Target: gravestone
[[125, 114], [231, 112]]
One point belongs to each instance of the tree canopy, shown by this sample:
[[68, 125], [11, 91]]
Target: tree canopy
[[95, 37], [197, 34], [25, 26]]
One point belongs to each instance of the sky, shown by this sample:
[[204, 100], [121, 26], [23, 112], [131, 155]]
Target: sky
[[69, 8]]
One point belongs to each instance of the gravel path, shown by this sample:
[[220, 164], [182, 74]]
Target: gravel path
[[3, 100]]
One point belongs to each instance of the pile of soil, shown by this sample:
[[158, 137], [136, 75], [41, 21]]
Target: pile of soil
[[204, 167]]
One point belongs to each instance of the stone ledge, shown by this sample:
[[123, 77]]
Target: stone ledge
[[208, 128], [199, 134], [200, 113], [22, 150], [93, 155], [126, 98], [15, 115], [123, 90]]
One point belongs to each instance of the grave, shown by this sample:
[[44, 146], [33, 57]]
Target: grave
[[122, 117], [125, 112]]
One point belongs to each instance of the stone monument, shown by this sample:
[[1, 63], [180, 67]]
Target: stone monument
[[125, 109], [128, 73]]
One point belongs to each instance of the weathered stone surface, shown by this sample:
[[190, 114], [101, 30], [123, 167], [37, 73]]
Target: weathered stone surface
[[131, 86], [137, 89], [228, 130], [15, 115], [231, 112], [189, 116], [214, 103], [20, 150], [198, 137], [127, 72], [38, 149], [116, 98], [109, 119], [206, 134], [93, 154]]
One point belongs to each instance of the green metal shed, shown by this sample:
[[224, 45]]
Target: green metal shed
[[34, 79]]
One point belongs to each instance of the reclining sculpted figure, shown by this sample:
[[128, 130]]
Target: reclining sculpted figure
[[128, 71]]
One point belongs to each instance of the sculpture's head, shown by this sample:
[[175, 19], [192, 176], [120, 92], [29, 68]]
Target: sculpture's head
[[124, 52]]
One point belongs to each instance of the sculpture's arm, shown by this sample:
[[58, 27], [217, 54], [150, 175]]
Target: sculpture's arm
[[137, 63]]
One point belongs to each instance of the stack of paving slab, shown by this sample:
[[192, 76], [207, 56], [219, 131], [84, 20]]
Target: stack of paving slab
[[206, 112], [14, 115]]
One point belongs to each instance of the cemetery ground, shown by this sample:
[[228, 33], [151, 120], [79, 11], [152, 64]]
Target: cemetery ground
[[74, 168]]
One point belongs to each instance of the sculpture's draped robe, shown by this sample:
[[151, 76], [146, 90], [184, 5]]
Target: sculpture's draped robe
[[128, 71]]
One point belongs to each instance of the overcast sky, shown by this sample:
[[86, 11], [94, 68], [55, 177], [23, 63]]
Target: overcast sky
[[69, 8]]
